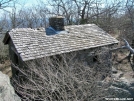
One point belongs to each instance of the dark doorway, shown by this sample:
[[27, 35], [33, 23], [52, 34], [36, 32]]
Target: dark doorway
[[95, 58]]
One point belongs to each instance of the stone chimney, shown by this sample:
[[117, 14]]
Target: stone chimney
[[57, 23]]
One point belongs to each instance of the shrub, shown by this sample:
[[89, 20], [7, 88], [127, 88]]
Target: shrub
[[62, 79]]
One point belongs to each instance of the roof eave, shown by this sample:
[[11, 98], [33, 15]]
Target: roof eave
[[6, 38]]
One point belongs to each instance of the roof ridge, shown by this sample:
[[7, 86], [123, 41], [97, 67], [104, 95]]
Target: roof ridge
[[29, 41]]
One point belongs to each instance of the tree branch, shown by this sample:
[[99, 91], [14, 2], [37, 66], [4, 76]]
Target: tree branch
[[127, 46]]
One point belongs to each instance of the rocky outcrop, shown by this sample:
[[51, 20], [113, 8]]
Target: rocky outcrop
[[122, 85], [121, 89], [7, 92]]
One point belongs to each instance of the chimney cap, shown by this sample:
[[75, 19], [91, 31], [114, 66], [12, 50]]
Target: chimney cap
[[57, 17]]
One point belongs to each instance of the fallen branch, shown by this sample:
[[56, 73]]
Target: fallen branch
[[127, 46]]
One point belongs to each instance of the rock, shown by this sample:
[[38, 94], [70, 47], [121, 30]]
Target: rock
[[132, 84], [121, 86], [117, 75], [118, 92], [131, 89], [114, 70], [7, 92]]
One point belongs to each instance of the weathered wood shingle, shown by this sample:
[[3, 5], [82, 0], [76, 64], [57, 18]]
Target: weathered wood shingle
[[32, 44]]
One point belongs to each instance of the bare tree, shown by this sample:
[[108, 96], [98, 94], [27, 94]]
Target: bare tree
[[64, 8], [4, 25], [84, 7], [13, 17], [130, 9], [128, 22], [108, 15], [5, 3]]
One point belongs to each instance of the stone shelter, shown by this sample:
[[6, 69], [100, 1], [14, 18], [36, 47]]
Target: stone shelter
[[27, 44]]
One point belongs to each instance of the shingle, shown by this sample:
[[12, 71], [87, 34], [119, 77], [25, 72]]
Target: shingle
[[32, 43]]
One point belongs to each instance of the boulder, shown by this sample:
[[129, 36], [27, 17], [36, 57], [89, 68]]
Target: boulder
[[131, 89], [119, 92], [7, 92], [122, 85]]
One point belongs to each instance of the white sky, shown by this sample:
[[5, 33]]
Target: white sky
[[20, 4]]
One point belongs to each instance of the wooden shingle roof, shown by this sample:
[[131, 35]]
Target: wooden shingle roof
[[32, 44]]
